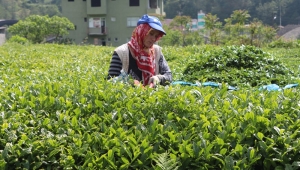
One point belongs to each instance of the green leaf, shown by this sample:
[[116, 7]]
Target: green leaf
[[98, 103], [74, 122], [260, 135], [252, 153], [46, 122], [296, 164], [223, 151], [277, 130], [110, 155], [125, 160], [54, 152]]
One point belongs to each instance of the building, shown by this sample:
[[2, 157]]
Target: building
[[194, 25], [107, 22], [3, 25], [198, 23]]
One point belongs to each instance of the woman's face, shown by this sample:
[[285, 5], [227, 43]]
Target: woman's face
[[150, 38]]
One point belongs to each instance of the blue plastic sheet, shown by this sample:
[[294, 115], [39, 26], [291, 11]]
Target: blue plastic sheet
[[275, 87], [269, 87], [205, 84]]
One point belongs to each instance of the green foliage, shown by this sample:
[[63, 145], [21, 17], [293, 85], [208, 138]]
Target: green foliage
[[239, 66], [172, 38], [285, 10], [57, 111], [43, 9], [164, 162], [280, 43], [180, 22], [18, 39], [19, 9], [37, 28], [240, 16]]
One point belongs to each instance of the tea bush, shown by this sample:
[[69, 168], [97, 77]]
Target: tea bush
[[57, 111], [238, 66]]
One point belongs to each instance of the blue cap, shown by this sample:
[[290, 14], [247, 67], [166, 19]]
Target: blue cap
[[152, 21]]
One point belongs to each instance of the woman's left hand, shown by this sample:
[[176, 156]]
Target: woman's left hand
[[155, 80]]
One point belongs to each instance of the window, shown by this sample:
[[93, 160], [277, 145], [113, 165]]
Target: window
[[116, 39], [153, 3], [134, 2], [85, 19], [95, 3], [71, 0], [132, 21], [98, 23], [94, 23]]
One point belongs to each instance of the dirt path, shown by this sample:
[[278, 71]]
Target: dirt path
[[2, 39]]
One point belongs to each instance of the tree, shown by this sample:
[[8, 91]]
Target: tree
[[254, 30], [36, 28], [211, 24], [181, 22], [59, 26], [267, 12], [240, 16]]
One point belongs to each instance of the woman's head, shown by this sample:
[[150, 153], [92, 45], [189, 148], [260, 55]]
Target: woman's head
[[148, 31]]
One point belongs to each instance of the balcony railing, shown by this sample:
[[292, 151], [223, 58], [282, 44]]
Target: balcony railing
[[98, 31]]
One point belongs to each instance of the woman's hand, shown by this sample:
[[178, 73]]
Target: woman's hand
[[154, 80]]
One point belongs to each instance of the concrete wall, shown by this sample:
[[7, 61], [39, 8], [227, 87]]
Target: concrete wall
[[2, 39]]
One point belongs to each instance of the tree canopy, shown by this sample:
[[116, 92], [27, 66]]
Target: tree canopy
[[271, 12], [36, 28]]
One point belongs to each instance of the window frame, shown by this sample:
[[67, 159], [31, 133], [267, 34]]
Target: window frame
[[132, 21], [95, 3], [134, 3]]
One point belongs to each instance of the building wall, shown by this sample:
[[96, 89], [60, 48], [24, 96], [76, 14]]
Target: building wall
[[115, 13], [2, 38], [75, 11]]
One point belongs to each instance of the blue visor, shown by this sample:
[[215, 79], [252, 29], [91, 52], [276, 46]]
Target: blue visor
[[152, 21]]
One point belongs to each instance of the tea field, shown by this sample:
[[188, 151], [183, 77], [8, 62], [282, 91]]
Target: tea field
[[58, 111]]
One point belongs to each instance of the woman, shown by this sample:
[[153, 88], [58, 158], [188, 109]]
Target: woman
[[140, 58]]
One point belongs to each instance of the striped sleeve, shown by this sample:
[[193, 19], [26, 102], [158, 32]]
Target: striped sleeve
[[115, 66]]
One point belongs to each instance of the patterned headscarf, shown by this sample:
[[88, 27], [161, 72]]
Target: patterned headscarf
[[145, 61]]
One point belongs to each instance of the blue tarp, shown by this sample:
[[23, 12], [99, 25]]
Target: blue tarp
[[269, 87], [275, 87], [205, 84]]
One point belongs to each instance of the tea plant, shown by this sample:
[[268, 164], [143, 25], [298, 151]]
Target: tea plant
[[57, 111], [238, 66]]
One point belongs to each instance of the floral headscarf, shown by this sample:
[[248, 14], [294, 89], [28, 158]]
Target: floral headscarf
[[145, 61]]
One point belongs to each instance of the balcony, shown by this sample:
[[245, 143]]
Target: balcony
[[97, 31]]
